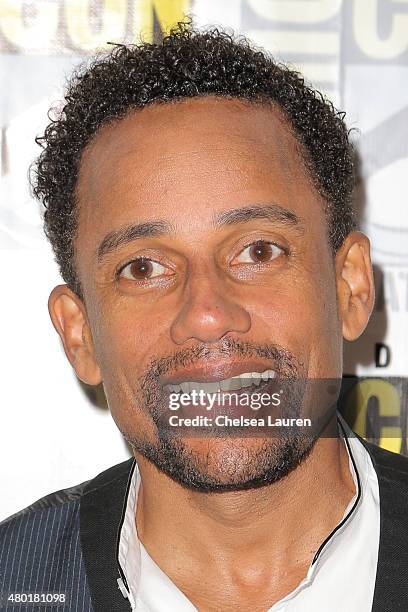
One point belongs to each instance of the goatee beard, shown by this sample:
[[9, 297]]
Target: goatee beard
[[222, 463], [237, 468]]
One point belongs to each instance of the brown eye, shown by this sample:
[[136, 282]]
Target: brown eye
[[260, 251], [142, 269]]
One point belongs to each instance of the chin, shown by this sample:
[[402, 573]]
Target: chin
[[226, 463]]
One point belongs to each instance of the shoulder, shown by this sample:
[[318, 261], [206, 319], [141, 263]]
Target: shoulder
[[39, 526], [65, 500], [40, 546], [392, 473], [389, 465], [56, 500], [391, 468], [391, 591]]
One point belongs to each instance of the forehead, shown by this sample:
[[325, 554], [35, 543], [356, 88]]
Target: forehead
[[184, 132], [185, 161]]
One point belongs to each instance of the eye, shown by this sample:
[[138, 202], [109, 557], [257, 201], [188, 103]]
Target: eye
[[142, 268], [260, 251]]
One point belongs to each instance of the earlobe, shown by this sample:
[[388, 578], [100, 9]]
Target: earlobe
[[355, 284], [69, 318]]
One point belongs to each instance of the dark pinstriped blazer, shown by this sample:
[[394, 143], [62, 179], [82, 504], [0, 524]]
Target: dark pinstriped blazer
[[67, 543]]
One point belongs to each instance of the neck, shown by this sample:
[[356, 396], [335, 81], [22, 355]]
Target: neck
[[269, 529]]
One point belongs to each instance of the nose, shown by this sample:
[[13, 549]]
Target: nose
[[208, 312]]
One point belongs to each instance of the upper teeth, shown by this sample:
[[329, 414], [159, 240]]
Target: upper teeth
[[227, 384]]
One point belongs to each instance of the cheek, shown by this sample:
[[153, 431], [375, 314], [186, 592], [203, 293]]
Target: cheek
[[124, 336], [288, 317], [124, 348], [123, 345], [302, 316]]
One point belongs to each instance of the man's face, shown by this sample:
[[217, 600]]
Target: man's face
[[228, 271]]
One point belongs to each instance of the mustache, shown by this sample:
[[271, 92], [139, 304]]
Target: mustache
[[285, 363]]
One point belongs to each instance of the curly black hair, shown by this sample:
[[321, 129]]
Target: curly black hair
[[187, 63]]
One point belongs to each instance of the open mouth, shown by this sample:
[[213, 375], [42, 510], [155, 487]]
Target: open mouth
[[233, 383]]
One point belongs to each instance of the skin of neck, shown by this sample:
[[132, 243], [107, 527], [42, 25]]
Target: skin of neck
[[245, 539]]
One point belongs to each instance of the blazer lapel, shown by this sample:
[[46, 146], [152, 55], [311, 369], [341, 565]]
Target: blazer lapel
[[101, 514]]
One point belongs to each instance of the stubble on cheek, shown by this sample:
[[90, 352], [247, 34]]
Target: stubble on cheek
[[128, 410]]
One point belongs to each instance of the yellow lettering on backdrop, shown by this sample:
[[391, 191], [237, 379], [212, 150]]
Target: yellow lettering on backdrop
[[365, 25], [167, 13], [38, 28], [388, 406], [113, 15], [296, 11]]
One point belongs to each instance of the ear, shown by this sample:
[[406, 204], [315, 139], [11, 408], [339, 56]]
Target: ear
[[69, 318], [355, 284]]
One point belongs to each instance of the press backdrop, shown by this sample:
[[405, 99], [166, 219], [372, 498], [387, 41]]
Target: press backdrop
[[55, 433]]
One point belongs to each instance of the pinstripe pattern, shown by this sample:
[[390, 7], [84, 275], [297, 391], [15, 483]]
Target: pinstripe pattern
[[40, 552], [67, 542]]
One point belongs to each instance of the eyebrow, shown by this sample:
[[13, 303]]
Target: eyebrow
[[270, 212], [129, 233], [150, 229]]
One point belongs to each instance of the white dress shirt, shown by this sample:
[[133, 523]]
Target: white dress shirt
[[340, 578]]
